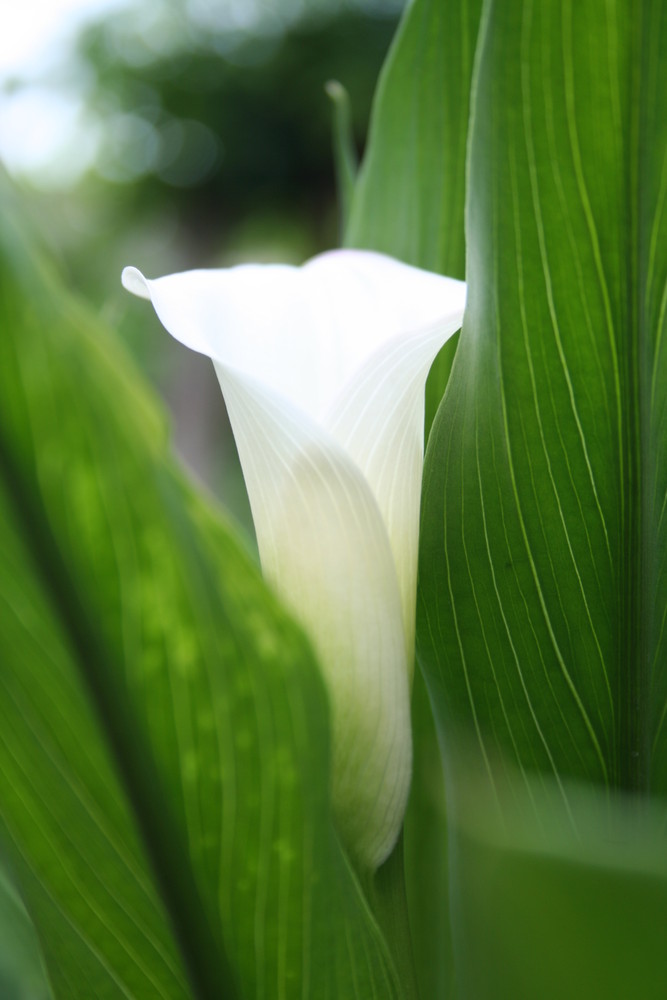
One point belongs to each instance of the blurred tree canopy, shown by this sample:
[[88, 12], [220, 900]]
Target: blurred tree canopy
[[227, 135], [230, 123]]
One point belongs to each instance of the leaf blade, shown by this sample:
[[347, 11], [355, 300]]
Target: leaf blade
[[545, 455], [224, 689], [553, 913]]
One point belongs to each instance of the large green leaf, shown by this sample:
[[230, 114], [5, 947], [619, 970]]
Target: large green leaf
[[545, 913], [22, 974], [163, 726], [410, 192], [543, 568]]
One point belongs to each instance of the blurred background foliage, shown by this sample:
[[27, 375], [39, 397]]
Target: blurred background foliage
[[204, 140]]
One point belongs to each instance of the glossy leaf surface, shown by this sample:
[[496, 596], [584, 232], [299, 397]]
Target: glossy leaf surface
[[544, 583]]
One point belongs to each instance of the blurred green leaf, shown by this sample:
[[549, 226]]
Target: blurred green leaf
[[545, 910], [543, 568], [163, 727], [22, 974]]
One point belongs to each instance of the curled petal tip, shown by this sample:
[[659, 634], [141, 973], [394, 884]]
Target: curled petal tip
[[134, 281]]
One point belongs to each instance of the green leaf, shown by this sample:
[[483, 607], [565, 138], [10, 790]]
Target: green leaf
[[164, 744], [410, 191], [409, 195], [22, 974], [545, 913], [543, 596]]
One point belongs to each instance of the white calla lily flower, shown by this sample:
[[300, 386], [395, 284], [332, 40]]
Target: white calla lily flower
[[323, 368]]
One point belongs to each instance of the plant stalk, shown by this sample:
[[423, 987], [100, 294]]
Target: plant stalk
[[388, 900]]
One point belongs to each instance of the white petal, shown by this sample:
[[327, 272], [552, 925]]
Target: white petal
[[323, 370], [323, 545], [378, 420], [303, 331], [134, 281]]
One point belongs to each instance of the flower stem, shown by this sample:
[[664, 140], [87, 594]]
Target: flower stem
[[388, 900]]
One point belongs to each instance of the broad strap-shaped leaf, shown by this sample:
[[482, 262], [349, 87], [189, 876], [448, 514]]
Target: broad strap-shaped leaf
[[543, 558], [209, 678], [544, 912], [22, 972], [410, 191], [73, 845]]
